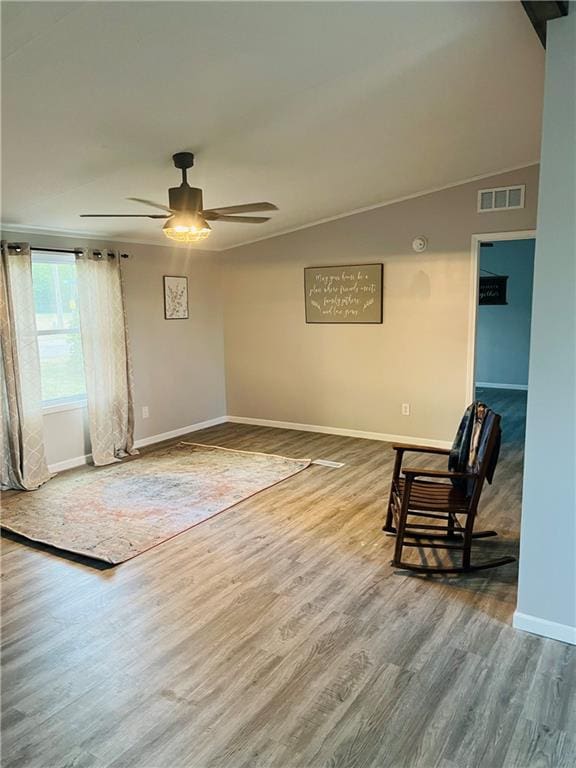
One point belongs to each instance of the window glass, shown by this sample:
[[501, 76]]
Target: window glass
[[58, 327]]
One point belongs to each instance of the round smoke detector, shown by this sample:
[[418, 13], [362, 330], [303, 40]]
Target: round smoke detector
[[419, 244]]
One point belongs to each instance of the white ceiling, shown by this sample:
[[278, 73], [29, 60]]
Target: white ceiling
[[321, 108]]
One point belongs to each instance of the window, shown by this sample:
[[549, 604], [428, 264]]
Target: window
[[58, 328]]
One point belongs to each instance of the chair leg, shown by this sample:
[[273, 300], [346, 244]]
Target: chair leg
[[389, 524], [468, 535], [402, 519], [451, 526]]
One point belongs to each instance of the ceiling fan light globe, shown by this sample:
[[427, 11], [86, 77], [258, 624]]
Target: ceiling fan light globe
[[187, 228], [187, 237]]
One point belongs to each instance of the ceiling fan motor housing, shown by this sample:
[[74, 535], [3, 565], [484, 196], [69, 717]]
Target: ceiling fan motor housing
[[185, 198]]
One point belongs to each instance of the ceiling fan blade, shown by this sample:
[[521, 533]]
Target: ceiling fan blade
[[150, 202], [240, 219], [246, 208], [125, 216]]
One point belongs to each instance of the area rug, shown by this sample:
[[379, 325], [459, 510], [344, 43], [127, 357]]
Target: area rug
[[115, 513]]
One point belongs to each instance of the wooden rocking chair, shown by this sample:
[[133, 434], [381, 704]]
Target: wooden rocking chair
[[426, 510]]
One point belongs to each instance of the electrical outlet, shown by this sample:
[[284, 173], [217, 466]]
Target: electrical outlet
[[145, 412], [405, 409]]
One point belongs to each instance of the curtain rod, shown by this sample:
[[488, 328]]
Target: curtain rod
[[53, 250], [65, 250]]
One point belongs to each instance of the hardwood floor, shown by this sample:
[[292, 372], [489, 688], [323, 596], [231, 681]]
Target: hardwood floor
[[276, 635]]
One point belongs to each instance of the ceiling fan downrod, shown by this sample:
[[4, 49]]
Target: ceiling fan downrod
[[185, 197]]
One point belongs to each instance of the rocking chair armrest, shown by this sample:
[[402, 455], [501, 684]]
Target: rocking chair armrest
[[402, 448], [413, 472], [420, 448]]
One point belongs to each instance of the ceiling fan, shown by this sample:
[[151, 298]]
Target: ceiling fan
[[186, 219]]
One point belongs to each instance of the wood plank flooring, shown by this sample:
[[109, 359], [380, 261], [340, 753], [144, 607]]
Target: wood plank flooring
[[276, 635]]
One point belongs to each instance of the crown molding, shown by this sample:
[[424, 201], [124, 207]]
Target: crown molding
[[386, 203], [382, 204]]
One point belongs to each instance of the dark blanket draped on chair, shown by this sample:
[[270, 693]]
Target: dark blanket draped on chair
[[470, 444]]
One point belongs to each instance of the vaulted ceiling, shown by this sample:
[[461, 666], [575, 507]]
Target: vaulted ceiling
[[322, 108]]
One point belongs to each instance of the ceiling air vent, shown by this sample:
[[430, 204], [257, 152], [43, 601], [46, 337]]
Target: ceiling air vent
[[501, 198]]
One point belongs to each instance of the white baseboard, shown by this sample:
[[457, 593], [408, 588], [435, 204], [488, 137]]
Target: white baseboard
[[492, 385], [179, 432], [545, 628], [78, 461], [340, 431]]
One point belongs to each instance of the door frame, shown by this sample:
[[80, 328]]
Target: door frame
[[522, 234]]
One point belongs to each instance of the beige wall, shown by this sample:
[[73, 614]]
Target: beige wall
[[178, 364], [278, 368], [357, 376]]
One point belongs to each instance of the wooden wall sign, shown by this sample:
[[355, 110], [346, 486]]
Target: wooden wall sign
[[347, 294], [493, 289]]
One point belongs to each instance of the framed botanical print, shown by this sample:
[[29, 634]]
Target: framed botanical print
[[175, 297]]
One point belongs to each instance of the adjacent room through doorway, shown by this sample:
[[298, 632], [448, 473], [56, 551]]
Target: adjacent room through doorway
[[506, 271]]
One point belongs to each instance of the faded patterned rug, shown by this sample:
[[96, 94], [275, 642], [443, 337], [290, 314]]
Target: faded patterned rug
[[117, 512]]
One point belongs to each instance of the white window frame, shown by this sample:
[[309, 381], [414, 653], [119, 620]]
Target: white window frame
[[74, 402]]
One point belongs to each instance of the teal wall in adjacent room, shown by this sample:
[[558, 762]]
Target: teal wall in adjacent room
[[503, 331]]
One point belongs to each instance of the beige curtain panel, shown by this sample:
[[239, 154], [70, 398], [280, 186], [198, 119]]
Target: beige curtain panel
[[23, 460], [106, 357]]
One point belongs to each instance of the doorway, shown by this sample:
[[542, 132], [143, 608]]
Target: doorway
[[504, 272]]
